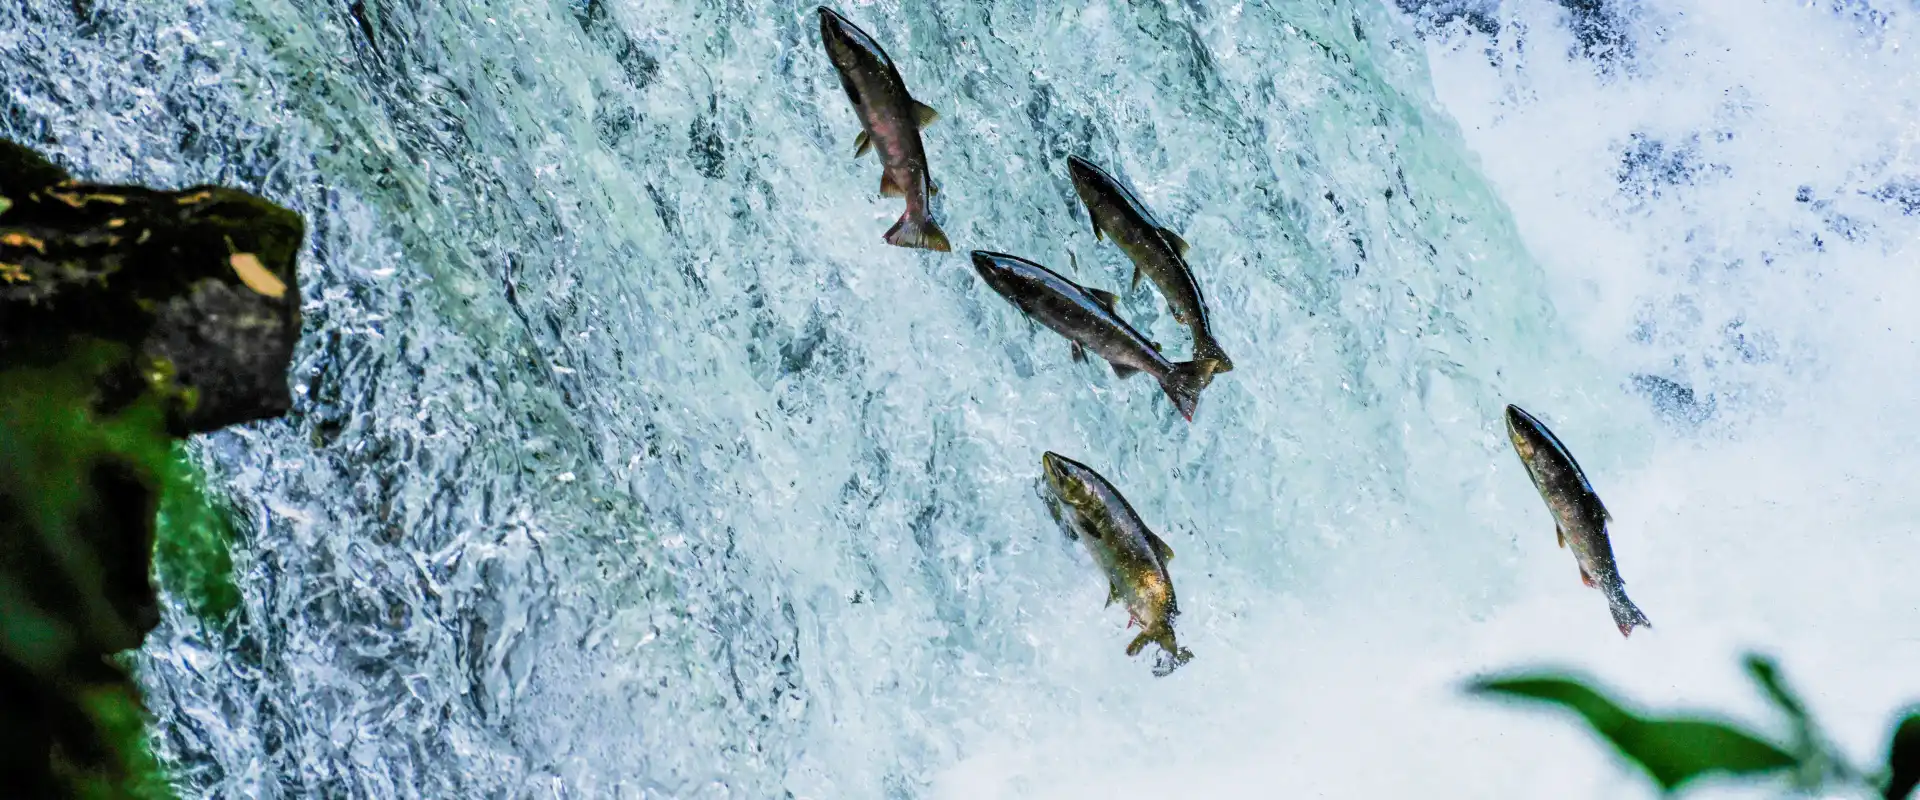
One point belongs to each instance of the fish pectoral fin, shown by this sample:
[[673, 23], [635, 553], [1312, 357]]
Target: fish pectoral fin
[[1179, 244], [1587, 579], [924, 114], [862, 144], [1136, 279], [932, 188], [1160, 547], [1105, 298], [1079, 352], [1560, 535], [1113, 594]]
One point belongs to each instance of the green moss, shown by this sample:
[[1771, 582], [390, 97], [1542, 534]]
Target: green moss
[[85, 460], [54, 440], [191, 558], [121, 726]]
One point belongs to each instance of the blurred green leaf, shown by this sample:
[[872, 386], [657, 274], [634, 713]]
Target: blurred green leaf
[[1602, 714], [1903, 758], [1767, 674], [1673, 751], [1817, 759]]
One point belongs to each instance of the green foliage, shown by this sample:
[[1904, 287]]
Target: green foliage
[[53, 440], [1676, 750], [120, 723], [1903, 759], [1673, 751], [73, 573], [191, 560]]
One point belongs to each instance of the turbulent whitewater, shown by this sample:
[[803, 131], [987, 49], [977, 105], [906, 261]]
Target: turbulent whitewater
[[627, 461]]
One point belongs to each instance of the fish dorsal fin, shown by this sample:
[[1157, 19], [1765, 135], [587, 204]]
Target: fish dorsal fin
[[924, 114], [1105, 298], [1559, 534], [888, 188], [1136, 278], [1179, 244], [1079, 352], [1156, 346], [1160, 547], [861, 144]]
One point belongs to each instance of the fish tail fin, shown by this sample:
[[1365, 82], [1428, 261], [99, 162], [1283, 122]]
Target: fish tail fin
[[921, 232], [1172, 655], [1174, 658], [1184, 382], [1206, 348], [1626, 614]]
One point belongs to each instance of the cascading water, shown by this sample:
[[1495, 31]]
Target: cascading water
[[628, 462]]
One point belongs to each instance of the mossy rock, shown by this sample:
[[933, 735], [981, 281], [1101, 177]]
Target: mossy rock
[[201, 282], [129, 318]]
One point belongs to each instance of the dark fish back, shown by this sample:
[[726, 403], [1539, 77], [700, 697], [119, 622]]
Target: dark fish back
[[1126, 194], [1566, 456]]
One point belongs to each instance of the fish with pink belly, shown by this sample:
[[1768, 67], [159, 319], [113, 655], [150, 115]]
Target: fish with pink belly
[[890, 123]]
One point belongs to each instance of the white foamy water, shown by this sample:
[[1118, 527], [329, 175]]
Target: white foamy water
[[628, 461]]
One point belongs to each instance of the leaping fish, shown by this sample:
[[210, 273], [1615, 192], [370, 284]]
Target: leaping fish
[[1157, 252], [1132, 557], [1086, 317], [1580, 521], [890, 122]]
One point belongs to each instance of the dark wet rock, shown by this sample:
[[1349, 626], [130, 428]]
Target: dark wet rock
[[200, 282], [129, 317], [1652, 168], [1435, 15], [1599, 29], [1674, 402], [1903, 194]]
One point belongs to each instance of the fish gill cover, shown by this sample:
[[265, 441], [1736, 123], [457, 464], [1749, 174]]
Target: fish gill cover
[[625, 460]]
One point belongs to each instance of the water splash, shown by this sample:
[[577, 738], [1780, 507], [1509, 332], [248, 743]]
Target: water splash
[[627, 461]]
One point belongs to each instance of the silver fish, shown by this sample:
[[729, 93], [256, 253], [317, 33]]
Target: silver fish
[[1579, 520], [1157, 252], [1086, 317]]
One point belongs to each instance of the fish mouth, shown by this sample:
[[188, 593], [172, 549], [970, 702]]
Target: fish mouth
[[987, 264], [1082, 170], [1519, 420], [832, 24], [1523, 430], [1061, 474], [1054, 466]]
